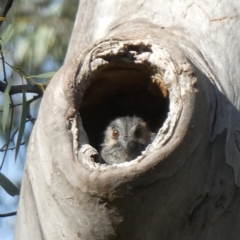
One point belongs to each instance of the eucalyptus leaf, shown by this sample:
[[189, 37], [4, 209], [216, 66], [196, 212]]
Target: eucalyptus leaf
[[25, 108], [7, 34], [44, 75], [6, 105], [8, 186]]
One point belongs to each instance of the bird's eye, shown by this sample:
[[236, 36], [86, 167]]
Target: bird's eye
[[138, 132], [115, 133]]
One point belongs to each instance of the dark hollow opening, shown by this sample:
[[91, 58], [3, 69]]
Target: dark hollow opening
[[123, 90]]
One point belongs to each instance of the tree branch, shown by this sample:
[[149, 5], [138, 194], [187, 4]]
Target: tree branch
[[6, 9], [18, 89], [8, 214]]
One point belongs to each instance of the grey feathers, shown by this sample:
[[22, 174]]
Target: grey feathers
[[124, 139]]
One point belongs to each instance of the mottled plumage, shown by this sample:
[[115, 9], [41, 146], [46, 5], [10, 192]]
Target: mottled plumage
[[124, 139]]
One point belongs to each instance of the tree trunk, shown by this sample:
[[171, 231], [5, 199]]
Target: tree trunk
[[176, 65]]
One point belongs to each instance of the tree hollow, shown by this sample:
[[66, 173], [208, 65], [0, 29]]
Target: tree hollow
[[124, 85]]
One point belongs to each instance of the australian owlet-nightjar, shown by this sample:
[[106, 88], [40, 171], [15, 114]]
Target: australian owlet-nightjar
[[124, 139]]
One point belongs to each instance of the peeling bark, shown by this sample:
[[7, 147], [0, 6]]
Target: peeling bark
[[149, 61]]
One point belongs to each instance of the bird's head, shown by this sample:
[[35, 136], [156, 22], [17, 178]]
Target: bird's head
[[130, 135]]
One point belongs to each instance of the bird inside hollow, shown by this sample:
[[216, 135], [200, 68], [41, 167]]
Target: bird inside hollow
[[124, 139]]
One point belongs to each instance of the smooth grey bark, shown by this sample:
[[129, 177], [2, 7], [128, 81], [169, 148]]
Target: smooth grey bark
[[183, 54]]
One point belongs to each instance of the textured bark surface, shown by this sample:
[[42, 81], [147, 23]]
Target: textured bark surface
[[175, 64]]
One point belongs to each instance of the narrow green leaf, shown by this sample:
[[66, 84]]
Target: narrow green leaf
[[8, 186], [6, 105], [25, 107], [7, 34], [43, 75]]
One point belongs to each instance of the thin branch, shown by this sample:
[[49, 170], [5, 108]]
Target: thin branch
[[5, 146], [30, 118], [16, 105], [8, 214], [6, 9], [29, 101], [11, 148], [16, 89]]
